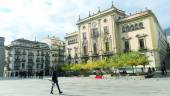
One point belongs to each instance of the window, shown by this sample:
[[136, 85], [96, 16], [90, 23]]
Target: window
[[84, 35], [69, 51], [94, 32], [76, 55], [136, 27], [106, 30], [127, 46], [141, 43], [127, 29], [75, 51], [105, 20], [23, 65], [141, 25], [107, 46], [94, 48], [123, 29], [132, 28], [85, 50], [94, 24], [119, 18], [84, 27]]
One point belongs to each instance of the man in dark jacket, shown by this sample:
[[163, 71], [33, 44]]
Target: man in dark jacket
[[55, 81]]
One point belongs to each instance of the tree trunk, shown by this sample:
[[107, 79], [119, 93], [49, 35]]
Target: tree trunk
[[133, 69], [144, 68], [136, 69]]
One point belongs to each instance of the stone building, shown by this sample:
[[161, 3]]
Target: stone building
[[112, 31], [27, 56], [2, 56], [57, 49], [71, 41]]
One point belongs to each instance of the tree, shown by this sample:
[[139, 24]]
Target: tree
[[128, 59], [76, 67], [143, 60]]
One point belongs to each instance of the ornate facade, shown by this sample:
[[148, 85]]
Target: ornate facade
[[112, 31], [57, 49], [72, 48], [27, 56]]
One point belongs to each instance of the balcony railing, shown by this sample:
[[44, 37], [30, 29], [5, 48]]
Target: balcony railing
[[95, 35], [17, 53], [143, 49], [85, 55], [108, 53]]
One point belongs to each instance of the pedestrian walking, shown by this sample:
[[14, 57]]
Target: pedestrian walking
[[55, 81], [163, 69], [149, 71]]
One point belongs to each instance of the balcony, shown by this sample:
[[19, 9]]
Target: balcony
[[16, 67], [85, 55], [61, 55], [23, 60], [143, 50], [24, 53], [108, 53], [42, 60], [95, 35], [38, 54], [38, 60], [17, 60], [126, 50], [30, 61], [95, 54], [30, 54], [17, 53], [42, 54], [30, 67]]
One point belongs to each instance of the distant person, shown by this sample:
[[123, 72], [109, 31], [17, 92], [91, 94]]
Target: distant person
[[153, 69], [163, 69], [40, 74], [142, 70], [55, 81], [149, 70]]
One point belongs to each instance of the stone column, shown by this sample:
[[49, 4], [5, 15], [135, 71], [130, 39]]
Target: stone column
[[89, 40], [79, 42], [114, 34], [100, 43]]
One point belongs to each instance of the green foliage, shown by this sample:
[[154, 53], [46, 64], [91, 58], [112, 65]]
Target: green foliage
[[116, 61], [76, 67], [128, 59], [66, 67]]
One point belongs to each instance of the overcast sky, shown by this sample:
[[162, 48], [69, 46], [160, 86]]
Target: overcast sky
[[39, 18]]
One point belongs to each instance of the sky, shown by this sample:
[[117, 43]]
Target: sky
[[36, 19]]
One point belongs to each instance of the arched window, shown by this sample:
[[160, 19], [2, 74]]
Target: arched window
[[127, 29], [105, 20], [141, 43], [132, 28], [136, 26], [126, 45], [85, 50], [123, 29], [95, 48], [141, 25]]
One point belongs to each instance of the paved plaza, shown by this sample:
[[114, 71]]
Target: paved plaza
[[87, 86]]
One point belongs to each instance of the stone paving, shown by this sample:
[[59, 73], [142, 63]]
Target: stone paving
[[87, 86]]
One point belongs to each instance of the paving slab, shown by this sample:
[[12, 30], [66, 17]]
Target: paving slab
[[85, 86]]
